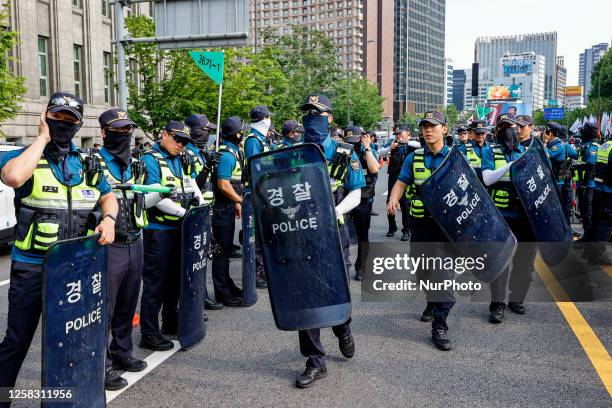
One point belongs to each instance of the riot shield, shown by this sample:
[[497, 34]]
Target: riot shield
[[297, 228], [75, 323], [535, 185], [463, 209], [194, 243], [249, 292]]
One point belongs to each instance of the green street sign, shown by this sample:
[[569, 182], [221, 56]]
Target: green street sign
[[211, 63]]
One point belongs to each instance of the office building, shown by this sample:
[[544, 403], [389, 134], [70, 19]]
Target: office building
[[561, 80], [574, 97], [448, 82], [459, 79], [587, 61], [525, 72]]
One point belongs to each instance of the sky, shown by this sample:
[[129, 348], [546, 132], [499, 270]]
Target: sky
[[468, 19]]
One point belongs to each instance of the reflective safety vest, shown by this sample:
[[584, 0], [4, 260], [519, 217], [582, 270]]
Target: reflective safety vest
[[603, 168], [502, 192], [54, 211], [265, 146], [421, 174], [196, 165], [338, 166], [578, 174], [131, 216], [184, 196], [473, 158], [237, 179]]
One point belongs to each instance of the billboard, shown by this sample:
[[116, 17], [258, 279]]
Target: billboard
[[573, 91], [504, 92], [516, 109], [517, 66], [554, 113]]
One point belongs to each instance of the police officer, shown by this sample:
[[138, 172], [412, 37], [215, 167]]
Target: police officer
[[201, 162], [125, 255], [464, 140], [46, 215], [347, 181], [602, 208], [362, 214], [496, 162], [560, 155], [397, 151], [228, 186], [292, 134], [525, 129], [257, 142], [162, 237], [474, 150], [417, 168], [584, 176]]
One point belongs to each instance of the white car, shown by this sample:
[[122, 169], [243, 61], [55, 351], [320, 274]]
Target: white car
[[7, 207]]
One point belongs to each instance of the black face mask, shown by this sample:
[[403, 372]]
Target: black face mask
[[62, 133], [118, 144], [507, 138], [200, 137]]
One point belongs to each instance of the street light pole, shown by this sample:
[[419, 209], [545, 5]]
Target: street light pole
[[120, 40], [350, 71]]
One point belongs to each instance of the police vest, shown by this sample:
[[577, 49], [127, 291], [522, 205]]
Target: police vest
[[603, 169], [368, 191], [236, 180], [264, 145], [131, 216], [578, 174], [184, 196], [338, 166], [473, 158], [502, 191], [53, 211], [421, 174], [196, 165]]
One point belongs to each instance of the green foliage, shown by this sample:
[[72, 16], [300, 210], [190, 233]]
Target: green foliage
[[601, 80], [538, 117], [365, 103], [11, 86], [169, 85], [451, 116], [411, 120]]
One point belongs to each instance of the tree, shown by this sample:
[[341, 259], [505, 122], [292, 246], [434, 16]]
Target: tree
[[366, 103], [601, 79], [451, 116], [538, 117], [411, 120], [11, 86]]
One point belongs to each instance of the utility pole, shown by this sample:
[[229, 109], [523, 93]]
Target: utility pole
[[120, 44], [348, 104]]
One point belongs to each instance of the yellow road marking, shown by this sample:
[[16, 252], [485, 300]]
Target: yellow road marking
[[594, 349]]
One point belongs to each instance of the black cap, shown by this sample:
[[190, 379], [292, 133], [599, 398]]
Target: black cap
[[505, 118], [179, 129], [352, 134], [338, 132], [461, 129], [476, 124], [555, 128], [231, 126], [199, 121], [524, 120], [435, 118], [402, 127], [588, 131], [66, 102], [258, 113], [291, 126], [116, 118], [317, 101]]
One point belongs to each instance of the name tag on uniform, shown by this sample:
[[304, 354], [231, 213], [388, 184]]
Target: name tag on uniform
[[88, 194], [419, 170], [169, 178], [50, 189]]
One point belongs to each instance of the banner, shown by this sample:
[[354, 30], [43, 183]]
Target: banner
[[503, 92]]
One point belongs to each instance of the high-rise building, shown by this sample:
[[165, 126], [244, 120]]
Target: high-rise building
[[357, 28], [588, 59], [489, 50], [419, 56], [527, 72], [52, 58], [459, 78], [561, 80], [573, 97], [448, 82]]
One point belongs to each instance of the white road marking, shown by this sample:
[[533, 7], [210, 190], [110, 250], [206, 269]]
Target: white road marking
[[154, 360], [4, 282]]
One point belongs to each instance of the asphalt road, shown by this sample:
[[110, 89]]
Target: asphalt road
[[534, 360]]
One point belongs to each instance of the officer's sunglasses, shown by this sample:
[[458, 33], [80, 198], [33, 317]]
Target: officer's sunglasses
[[180, 140], [61, 101]]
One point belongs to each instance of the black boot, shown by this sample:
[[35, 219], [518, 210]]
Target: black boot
[[347, 346], [441, 340], [392, 228], [427, 315], [210, 304], [113, 381], [516, 307], [309, 376], [497, 312]]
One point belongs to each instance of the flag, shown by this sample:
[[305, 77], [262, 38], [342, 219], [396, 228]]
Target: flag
[[576, 126], [592, 120], [470, 120], [211, 63], [495, 111], [482, 112]]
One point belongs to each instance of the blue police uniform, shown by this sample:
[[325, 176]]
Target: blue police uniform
[[520, 276], [425, 229], [585, 188], [229, 167], [462, 147], [255, 145], [25, 291], [559, 152], [125, 261], [162, 245], [602, 204], [361, 215], [310, 343]]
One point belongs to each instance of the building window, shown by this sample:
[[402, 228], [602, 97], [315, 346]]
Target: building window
[[43, 65], [106, 64], [77, 3], [106, 8], [77, 58]]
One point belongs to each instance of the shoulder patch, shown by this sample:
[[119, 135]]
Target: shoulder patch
[[593, 152], [355, 165], [554, 148]]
